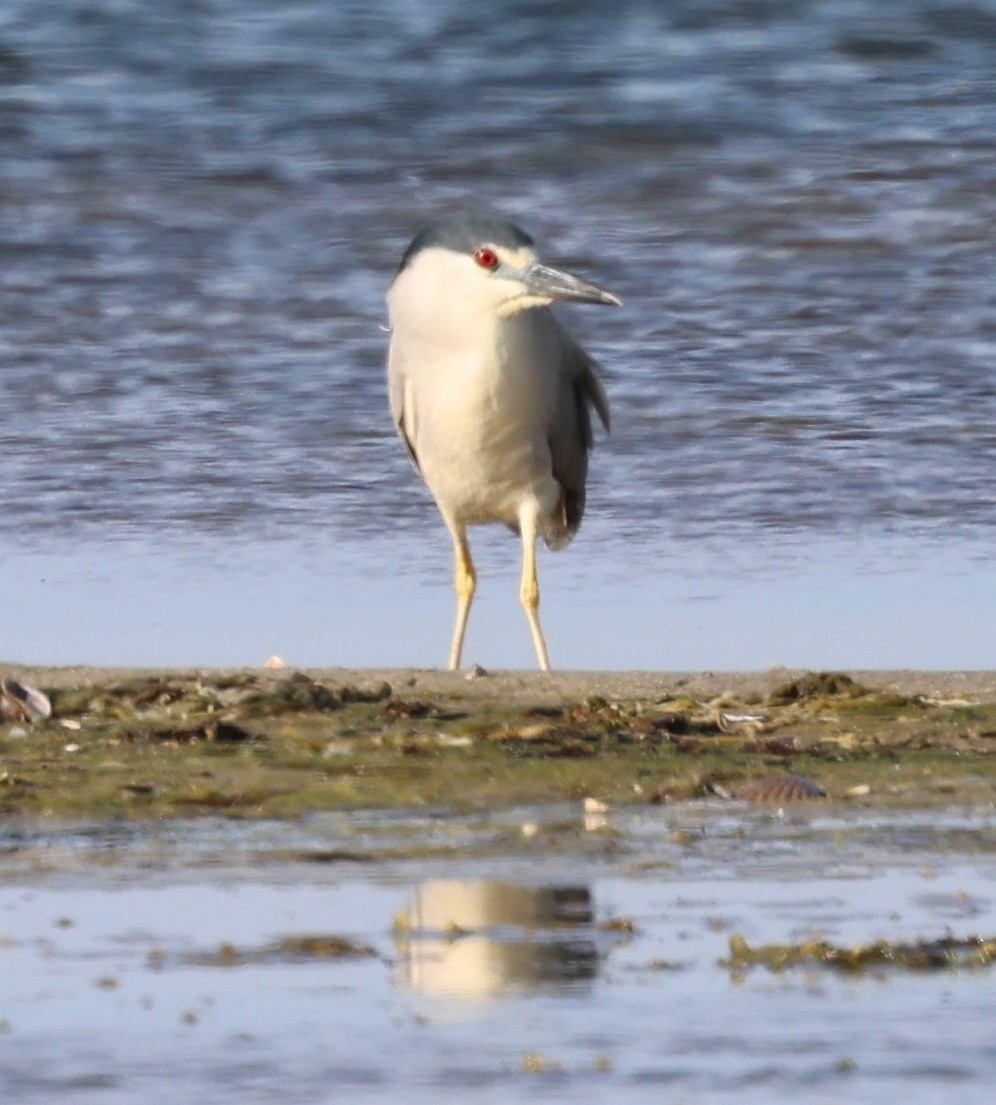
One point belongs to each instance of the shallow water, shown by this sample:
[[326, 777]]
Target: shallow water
[[110, 991], [201, 205]]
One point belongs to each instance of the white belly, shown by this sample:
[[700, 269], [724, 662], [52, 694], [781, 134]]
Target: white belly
[[481, 424]]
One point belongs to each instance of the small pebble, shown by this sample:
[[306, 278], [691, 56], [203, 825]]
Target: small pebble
[[593, 822], [476, 672]]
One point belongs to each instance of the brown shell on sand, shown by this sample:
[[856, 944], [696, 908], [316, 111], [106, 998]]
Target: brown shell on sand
[[780, 788]]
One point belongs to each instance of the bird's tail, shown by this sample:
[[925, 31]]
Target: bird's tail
[[560, 528]]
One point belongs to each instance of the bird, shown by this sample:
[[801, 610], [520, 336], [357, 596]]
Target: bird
[[490, 394]]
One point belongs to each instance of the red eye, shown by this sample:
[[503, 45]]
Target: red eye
[[486, 258]]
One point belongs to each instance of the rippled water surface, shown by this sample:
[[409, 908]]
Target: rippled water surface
[[202, 201], [529, 960]]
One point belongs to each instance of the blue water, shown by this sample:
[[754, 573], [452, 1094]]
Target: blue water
[[202, 202], [110, 992]]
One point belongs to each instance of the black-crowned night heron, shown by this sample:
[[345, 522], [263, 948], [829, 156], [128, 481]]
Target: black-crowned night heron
[[490, 394]]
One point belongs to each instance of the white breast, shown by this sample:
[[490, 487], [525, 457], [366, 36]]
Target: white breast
[[477, 411]]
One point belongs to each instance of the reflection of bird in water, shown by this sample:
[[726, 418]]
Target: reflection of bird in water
[[481, 939]]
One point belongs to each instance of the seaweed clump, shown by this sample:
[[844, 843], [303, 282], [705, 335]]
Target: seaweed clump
[[945, 953], [817, 684], [289, 949]]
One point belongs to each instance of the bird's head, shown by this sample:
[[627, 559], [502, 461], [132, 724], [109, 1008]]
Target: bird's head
[[482, 265]]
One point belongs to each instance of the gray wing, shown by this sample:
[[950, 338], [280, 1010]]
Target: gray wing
[[571, 437], [400, 399]]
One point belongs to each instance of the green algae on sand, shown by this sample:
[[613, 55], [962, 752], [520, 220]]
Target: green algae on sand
[[260, 744]]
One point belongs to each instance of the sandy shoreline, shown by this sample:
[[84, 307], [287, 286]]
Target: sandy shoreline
[[517, 687]]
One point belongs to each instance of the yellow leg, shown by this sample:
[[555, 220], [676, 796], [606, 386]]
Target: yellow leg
[[464, 581], [529, 588]]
